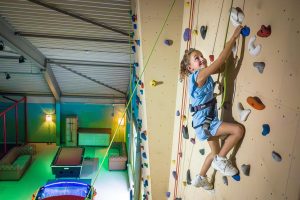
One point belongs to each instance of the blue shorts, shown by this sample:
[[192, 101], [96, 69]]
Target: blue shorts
[[215, 124]]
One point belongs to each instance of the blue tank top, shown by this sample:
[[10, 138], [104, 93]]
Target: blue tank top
[[200, 95]]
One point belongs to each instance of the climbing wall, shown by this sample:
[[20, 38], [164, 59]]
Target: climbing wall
[[272, 132], [157, 56]]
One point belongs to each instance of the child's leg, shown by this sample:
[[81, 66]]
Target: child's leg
[[234, 131], [215, 148]]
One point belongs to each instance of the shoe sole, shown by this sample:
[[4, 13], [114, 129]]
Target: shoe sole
[[216, 168]]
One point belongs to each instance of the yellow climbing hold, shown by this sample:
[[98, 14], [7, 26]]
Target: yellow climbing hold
[[153, 83], [195, 32], [187, 3], [184, 183]]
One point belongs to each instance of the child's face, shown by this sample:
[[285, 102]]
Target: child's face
[[197, 61]]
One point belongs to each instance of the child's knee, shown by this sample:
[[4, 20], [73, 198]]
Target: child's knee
[[240, 131]]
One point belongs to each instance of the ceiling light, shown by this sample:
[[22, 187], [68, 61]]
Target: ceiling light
[[21, 59], [7, 76], [1, 46]]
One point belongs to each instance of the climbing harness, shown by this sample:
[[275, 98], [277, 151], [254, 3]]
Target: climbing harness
[[209, 118]]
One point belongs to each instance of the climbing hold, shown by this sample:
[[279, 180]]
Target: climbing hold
[[143, 136], [145, 183], [134, 26], [155, 83], [174, 173], [168, 194], [131, 34], [246, 169], [266, 129], [211, 58], [225, 180], [185, 132], [142, 147], [193, 140], [195, 32], [256, 103], [133, 18], [188, 177], [135, 64], [142, 85], [133, 48], [142, 92], [173, 162], [243, 113], [140, 82], [138, 42], [260, 66], [236, 16], [177, 113], [187, 3], [184, 183], [276, 156], [236, 177], [184, 119], [187, 34], [144, 155], [264, 31], [253, 50], [203, 31], [138, 100], [202, 151], [146, 165], [168, 42], [245, 31]]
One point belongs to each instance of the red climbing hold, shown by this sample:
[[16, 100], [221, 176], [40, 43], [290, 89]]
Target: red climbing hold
[[265, 31], [211, 58]]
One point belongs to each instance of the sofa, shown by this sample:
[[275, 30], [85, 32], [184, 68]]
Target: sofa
[[117, 156], [14, 164]]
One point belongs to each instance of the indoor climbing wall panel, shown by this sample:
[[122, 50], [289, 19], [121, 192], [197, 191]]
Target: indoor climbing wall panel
[[158, 58], [271, 75]]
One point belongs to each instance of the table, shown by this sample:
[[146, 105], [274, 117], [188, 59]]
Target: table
[[67, 162]]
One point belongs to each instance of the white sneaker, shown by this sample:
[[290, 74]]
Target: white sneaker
[[224, 166], [202, 182]]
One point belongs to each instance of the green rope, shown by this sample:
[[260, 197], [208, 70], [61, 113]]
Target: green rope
[[130, 99]]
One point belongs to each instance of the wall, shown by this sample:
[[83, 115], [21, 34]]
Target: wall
[[158, 103], [277, 87]]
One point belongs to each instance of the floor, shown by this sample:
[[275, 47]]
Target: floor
[[110, 185]]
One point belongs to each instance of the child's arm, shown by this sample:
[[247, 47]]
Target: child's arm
[[215, 66]]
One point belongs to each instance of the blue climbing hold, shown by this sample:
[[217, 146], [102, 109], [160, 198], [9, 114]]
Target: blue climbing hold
[[133, 18], [187, 34], [135, 26], [144, 155], [236, 177], [168, 42], [145, 183], [138, 42], [140, 82], [174, 173], [168, 194], [133, 48], [143, 136], [266, 129], [135, 64], [177, 113], [245, 31], [142, 92]]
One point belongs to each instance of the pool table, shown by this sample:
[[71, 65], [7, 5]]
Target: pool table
[[67, 162]]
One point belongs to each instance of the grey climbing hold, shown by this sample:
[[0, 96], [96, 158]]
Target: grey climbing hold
[[202, 151], [225, 180], [174, 173], [276, 156], [177, 113], [246, 169], [203, 31], [260, 66], [185, 132], [188, 177], [168, 194]]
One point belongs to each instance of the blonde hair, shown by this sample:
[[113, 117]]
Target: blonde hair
[[185, 62]]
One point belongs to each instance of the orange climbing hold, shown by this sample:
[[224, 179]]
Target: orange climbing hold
[[256, 103]]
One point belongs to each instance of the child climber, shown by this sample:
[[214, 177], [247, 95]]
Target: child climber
[[203, 106]]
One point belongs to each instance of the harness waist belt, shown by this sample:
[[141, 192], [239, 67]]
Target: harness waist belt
[[203, 106]]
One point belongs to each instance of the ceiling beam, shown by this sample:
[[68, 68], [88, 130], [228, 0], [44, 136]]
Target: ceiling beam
[[75, 63], [52, 7], [69, 37], [26, 49], [91, 79]]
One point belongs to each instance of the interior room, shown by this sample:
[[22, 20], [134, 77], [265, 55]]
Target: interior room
[[149, 99]]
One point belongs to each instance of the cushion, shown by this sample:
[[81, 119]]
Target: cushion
[[21, 161]]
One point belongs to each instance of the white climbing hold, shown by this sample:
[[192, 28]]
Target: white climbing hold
[[253, 49], [236, 16], [243, 113]]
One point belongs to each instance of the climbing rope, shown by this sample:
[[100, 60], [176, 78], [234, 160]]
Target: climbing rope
[[183, 107], [131, 96]]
